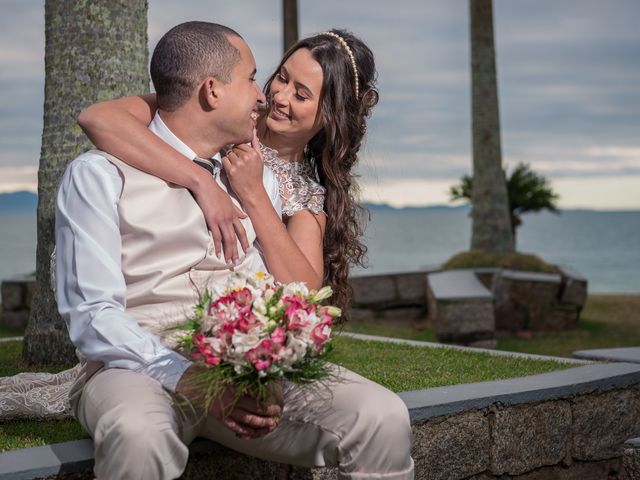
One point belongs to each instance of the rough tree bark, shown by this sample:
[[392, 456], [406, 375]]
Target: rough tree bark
[[94, 50], [491, 230]]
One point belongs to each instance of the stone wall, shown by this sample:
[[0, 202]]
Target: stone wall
[[398, 296], [574, 438], [522, 300], [402, 297], [571, 424], [631, 461], [537, 301]]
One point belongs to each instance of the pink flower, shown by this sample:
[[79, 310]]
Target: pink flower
[[278, 336], [296, 312], [297, 319], [262, 355], [296, 303], [227, 327], [242, 297], [204, 352], [199, 339], [226, 300], [212, 360], [320, 333], [247, 320]]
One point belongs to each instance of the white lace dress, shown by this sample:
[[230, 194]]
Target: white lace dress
[[299, 188], [46, 395]]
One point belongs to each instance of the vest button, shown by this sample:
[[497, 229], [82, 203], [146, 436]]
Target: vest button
[[211, 250]]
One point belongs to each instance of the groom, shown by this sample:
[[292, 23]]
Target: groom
[[131, 248]]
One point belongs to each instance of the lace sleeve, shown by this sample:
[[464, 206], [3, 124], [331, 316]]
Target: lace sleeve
[[299, 188]]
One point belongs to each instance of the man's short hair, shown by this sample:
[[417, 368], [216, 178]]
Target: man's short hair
[[186, 55]]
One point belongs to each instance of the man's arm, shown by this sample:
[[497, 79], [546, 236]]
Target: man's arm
[[91, 294], [91, 290]]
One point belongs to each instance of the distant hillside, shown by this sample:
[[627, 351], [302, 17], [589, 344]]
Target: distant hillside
[[383, 207], [19, 202]]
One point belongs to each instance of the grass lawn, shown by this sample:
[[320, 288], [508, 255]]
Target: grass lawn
[[398, 367], [10, 332], [607, 321]]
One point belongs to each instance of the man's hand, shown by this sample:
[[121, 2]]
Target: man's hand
[[223, 219], [248, 418]]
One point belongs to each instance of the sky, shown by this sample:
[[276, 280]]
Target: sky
[[568, 80]]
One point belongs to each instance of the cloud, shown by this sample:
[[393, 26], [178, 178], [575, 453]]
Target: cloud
[[615, 192], [568, 78], [19, 177]]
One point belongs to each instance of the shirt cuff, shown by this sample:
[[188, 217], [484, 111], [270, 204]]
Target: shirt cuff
[[167, 369]]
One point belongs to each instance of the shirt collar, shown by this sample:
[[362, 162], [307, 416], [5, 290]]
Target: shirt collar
[[160, 128]]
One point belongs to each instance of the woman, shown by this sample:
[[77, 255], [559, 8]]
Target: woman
[[319, 98]]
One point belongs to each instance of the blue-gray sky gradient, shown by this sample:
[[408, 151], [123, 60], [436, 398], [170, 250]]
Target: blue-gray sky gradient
[[568, 73]]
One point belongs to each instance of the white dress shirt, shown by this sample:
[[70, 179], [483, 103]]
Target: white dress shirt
[[91, 289]]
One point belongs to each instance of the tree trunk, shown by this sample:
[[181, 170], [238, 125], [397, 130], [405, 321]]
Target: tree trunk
[[91, 54], [491, 229], [290, 22]]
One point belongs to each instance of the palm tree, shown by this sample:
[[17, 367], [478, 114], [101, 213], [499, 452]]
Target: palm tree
[[527, 190], [289, 22], [491, 227], [91, 54]]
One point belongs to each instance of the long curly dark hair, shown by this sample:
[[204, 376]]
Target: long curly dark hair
[[334, 149]]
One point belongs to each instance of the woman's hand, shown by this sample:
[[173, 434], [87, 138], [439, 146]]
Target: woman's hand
[[244, 167], [223, 219], [120, 128]]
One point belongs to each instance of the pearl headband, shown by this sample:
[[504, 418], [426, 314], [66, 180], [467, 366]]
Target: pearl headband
[[351, 57]]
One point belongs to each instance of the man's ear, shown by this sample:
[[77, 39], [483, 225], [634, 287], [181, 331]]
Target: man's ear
[[212, 91]]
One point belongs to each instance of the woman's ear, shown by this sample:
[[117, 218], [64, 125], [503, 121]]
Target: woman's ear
[[212, 91]]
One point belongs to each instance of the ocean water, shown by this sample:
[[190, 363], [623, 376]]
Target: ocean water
[[603, 246]]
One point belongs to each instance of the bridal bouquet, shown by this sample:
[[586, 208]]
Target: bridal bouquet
[[253, 330]]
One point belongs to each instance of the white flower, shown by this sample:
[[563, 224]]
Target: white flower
[[296, 288], [333, 311], [243, 342], [294, 351], [323, 294]]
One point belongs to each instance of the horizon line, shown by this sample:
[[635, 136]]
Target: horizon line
[[417, 206]]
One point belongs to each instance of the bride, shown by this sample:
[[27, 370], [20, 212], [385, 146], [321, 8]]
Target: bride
[[319, 99]]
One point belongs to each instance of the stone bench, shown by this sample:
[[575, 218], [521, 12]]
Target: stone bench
[[461, 308], [533, 301], [398, 296], [624, 354], [17, 293], [574, 286]]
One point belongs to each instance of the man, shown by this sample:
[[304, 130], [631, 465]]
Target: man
[[132, 251]]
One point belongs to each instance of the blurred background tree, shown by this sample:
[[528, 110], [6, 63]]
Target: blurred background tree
[[490, 231], [289, 23], [527, 192], [91, 55]]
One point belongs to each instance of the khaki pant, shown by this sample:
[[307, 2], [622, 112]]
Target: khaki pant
[[140, 432]]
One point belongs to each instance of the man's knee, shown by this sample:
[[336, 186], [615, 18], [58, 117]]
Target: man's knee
[[138, 444], [387, 417]]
